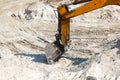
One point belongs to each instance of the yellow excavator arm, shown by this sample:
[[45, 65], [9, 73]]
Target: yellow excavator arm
[[57, 48], [90, 6], [65, 15]]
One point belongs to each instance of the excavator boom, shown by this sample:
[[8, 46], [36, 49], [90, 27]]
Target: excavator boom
[[57, 48]]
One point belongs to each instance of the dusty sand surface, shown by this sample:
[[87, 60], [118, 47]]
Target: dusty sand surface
[[94, 52]]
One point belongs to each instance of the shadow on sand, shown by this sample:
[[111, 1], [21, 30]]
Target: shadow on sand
[[36, 57], [117, 46], [77, 61], [41, 58]]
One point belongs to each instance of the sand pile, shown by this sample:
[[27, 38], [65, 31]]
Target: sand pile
[[27, 28]]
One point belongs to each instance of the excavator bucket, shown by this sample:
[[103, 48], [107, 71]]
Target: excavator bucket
[[53, 53]]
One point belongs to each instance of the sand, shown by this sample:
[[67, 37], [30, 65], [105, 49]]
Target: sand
[[94, 53]]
